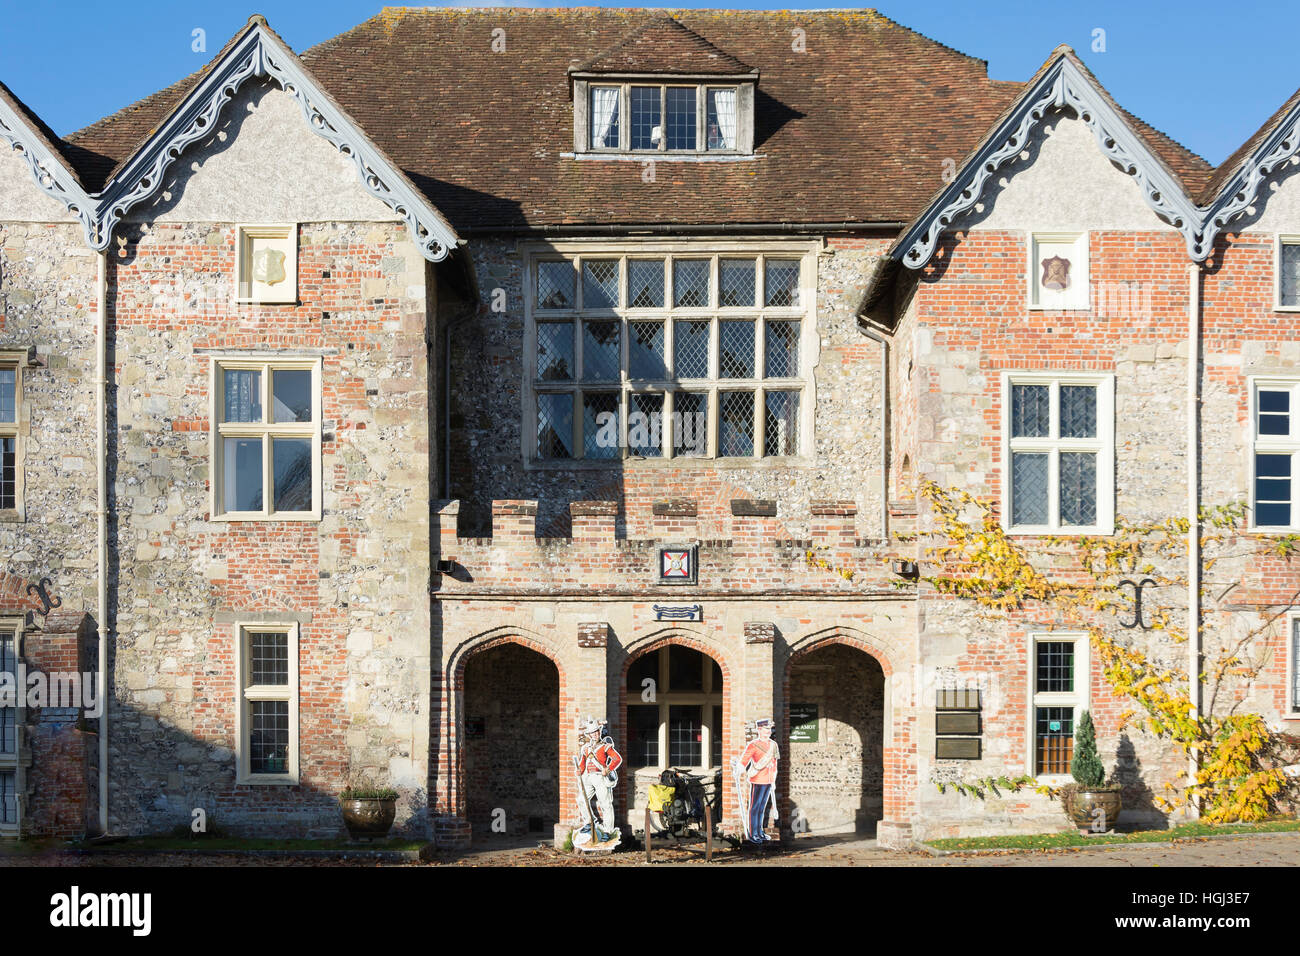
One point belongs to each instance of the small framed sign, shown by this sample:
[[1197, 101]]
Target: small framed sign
[[957, 722], [803, 724], [678, 564], [957, 748]]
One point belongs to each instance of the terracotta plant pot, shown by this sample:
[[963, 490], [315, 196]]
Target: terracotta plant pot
[[368, 818], [1084, 803]]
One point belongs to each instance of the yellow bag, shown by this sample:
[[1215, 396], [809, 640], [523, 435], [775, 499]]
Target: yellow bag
[[660, 797]]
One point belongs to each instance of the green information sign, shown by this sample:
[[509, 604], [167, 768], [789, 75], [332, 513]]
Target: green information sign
[[803, 723]]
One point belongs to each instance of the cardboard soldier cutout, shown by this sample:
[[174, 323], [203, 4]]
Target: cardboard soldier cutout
[[755, 775], [596, 764]]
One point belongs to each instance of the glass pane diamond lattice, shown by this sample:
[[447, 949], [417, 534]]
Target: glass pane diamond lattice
[[1029, 489], [600, 283], [554, 285], [736, 283], [736, 349], [691, 283], [645, 283]]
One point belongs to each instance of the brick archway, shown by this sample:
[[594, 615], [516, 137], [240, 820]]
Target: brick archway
[[681, 638], [898, 749], [453, 795]]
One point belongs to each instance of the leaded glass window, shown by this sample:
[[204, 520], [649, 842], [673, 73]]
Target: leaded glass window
[[679, 723], [268, 744]]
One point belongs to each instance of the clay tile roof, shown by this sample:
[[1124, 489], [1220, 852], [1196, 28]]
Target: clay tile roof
[[664, 46], [1229, 167], [854, 130]]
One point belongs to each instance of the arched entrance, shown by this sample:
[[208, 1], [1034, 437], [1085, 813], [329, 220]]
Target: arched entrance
[[509, 735], [834, 739], [675, 710]]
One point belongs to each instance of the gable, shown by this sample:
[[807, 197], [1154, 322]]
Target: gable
[[1065, 184], [1275, 205], [21, 200], [262, 164]]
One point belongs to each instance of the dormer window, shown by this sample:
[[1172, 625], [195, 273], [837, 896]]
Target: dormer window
[[666, 118], [666, 90]]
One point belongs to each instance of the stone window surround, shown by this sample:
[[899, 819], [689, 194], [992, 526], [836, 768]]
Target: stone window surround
[[13, 627], [1081, 300], [17, 360], [1103, 445], [1079, 698], [809, 343], [245, 233], [706, 699], [266, 363], [246, 694], [743, 85], [1279, 241]]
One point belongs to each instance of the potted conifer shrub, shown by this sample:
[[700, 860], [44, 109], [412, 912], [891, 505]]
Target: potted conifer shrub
[[368, 811], [1092, 804]]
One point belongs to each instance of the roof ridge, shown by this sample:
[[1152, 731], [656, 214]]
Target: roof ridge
[[665, 21]]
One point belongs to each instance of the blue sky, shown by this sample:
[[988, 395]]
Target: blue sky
[[1207, 74]]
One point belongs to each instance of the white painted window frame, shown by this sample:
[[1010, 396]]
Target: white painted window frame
[[1079, 699], [18, 361], [706, 700], [1103, 445], [13, 627], [1280, 240], [244, 235], [1080, 299], [246, 693], [744, 115], [809, 345], [1274, 444], [1291, 710], [266, 430]]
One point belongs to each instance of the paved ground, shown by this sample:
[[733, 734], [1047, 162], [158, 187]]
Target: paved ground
[[1265, 849]]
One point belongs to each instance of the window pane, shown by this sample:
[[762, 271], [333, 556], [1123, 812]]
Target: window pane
[[736, 349], [291, 461], [1054, 739], [291, 395], [268, 744], [1274, 412], [8, 731], [8, 473], [645, 667], [604, 117], [600, 351], [555, 361], [736, 282], [691, 349], [781, 427], [555, 426], [782, 350], [1295, 665], [690, 424], [8, 395], [1031, 411], [268, 658], [1289, 274], [716, 746], [600, 283], [691, 283], [643, 734], [242, 389], [1028, 489], [645, 426], [1273, 490], [600, 431], [736, 425], [645, 116], [685, 669], [681, 117], [9, 797], [1054, 667], [8, 659], [646, 351], [645, 283], [1078, 488], [554, 285], [720, 119], [781, 282], [685, 733], [242, 477], [1078, 411]]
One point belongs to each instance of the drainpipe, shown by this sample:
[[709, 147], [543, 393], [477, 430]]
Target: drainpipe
[[101, 478], [1193, 504], [884, 424]]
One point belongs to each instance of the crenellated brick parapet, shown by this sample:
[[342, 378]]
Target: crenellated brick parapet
[[759, 557]]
